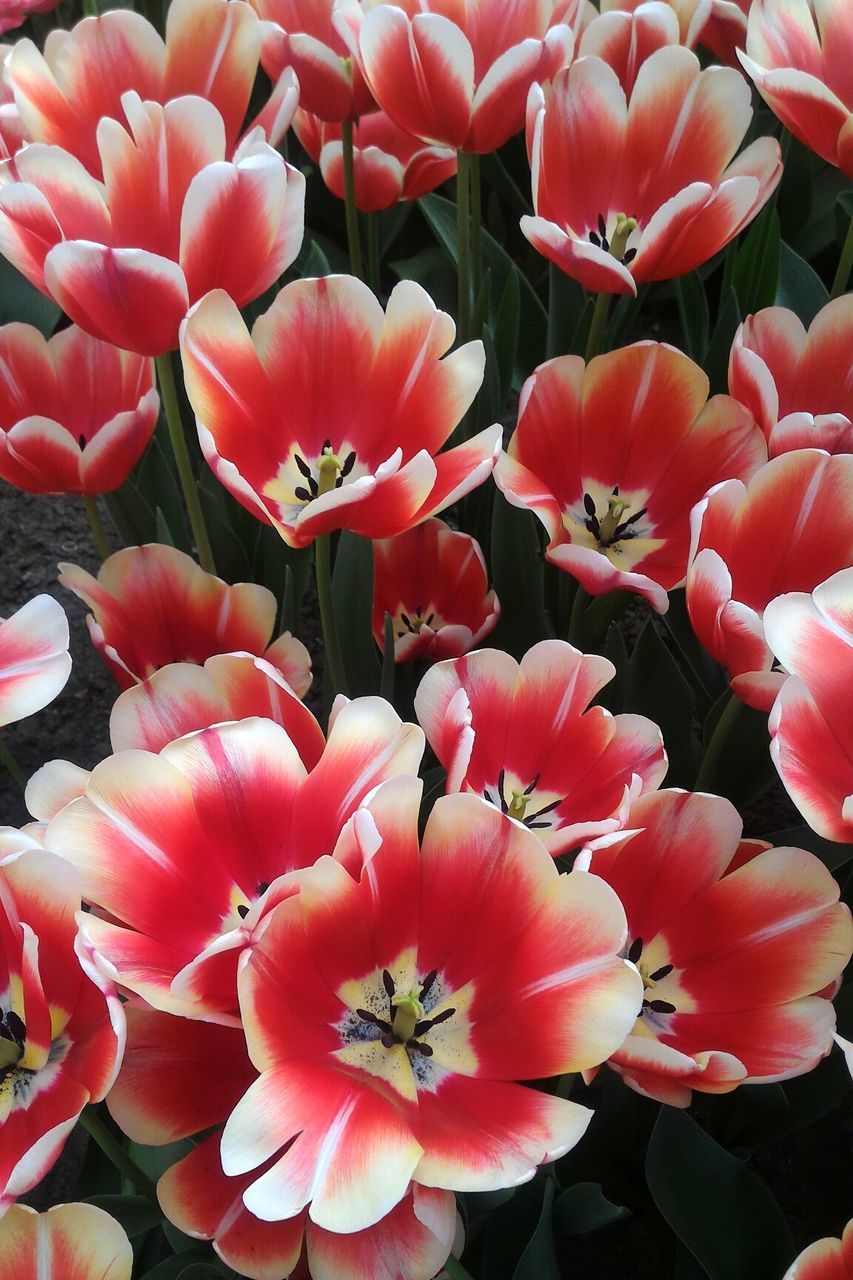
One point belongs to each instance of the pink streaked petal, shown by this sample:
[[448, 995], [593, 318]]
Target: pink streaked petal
[[201, 1201], [68, 1242], [815, 768], [498, 106], [479, 1135], [351, 1161], [660, 1071], [773, 1043], [413, 1240], [421, 71], [276, 115], [129, 297], [523, 489], [213, 50], [34, 659], [597, 271], [598, 575], [259, 200]]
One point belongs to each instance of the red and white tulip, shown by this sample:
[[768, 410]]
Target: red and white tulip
[[68, 1242], [825, 1259], [34, 660]]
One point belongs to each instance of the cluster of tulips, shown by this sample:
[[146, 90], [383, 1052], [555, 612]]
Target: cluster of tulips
[[354, 962]]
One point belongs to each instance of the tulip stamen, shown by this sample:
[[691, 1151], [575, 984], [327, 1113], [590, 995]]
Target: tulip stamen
[[650, 980], [611, 528], [616, 244]]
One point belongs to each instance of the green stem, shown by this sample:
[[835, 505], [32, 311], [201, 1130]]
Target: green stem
[[172, 410], [716, 748], [353, 239], [576, 620], [97, 524], [845, 262], [332, 644], [7, 759], [463, 243], [90, 8], [476, 229], [597, 325], [373, 257], [455, 1269], [116, 1154]]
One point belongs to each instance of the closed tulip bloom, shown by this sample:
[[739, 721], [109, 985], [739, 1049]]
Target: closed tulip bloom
[[125, 258], [34, 660], [389, 165], [799, 53], [797, 384], [304, 35], [811, 723], [392, 1015], [309, 451], [736, 569], [211, 50], [624, 35], [717, 25], [432, 582], [61, 1023], [613, 206], [612, 457], [457, 72], [734, 941], [69, 1242], [166, 1092], [524, 737], [75, 413], [825, 1259]]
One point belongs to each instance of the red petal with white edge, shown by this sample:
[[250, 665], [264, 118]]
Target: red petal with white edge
[[129, 297], [147, 967], [812, 636], [763, 364], [153, 606], [825, 1260], [276, 115], [806, 106], [325, 83], [770, 932], [34, 659], [498, 107], [461, 469], [582, 132], [660, 1071], [213, 50], [816, 769], [477, 865], [413, 1240], [166, 1088], [701, 115], [680, 844], [597, 575], [626, 39], [182, 698], [521, 487], [33, 1138], [52, 787], [351, 1152], [379, 506], [260, 201], [69, 1242], [39, 455], [378, 177], [114, 451], [421, 72], [139, 845], [773, 1043], [479, 1135], [597, 271], [85, 71], [198, 1199], [30, 384], [564, 1012]]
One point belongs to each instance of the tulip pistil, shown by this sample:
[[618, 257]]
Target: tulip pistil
[[618, 240], [406, 1021], [611, 528], [331, 473], [650, 980], [516, 805]]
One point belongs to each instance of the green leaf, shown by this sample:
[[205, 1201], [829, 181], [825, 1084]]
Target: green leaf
[[707, 677], [539, 1260], [800, 287], [134, 521], [203, 1271], [716, 363], [717, 1207], [505, 334], [511, 1231], [584, 1208], [518, 578], [695, 319], [20, 300], [612, 696], [386, 684], [756, 272], [172, 1268], [352, 601], [655, 687], [135, 1214], [741, 766]]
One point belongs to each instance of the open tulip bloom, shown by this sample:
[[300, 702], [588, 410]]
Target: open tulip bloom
[[391, 1014], [734, 941], [616, 502], [524, 737], [811, 722], [612, 208], [165, 1093], [309, 451]]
